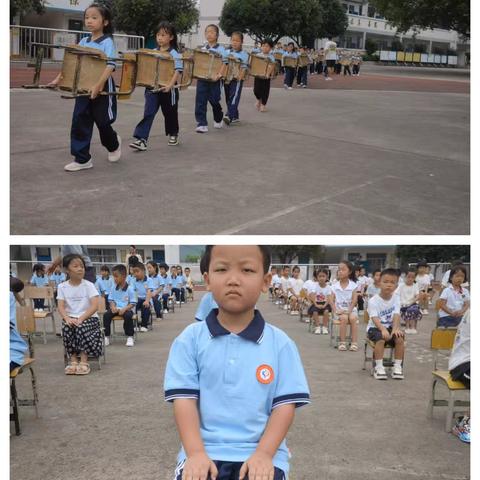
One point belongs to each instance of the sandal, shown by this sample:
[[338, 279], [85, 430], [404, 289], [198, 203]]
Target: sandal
[[342, 347], [83, 368], [353, 347], [71, 368]]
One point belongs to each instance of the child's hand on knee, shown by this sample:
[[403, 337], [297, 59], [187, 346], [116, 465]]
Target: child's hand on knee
[[386, 334], [199, 466], [259, 467]]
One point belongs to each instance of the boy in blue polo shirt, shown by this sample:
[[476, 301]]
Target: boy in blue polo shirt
[[144, 295], [122, 301], [234, 380]]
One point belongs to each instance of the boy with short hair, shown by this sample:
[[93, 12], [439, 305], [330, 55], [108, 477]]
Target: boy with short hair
[[234, 379], [384, 325], [295, 285], [122, 301], [144, 295]]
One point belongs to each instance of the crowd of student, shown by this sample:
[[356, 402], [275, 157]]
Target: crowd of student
[[236, 276], [101, 110]]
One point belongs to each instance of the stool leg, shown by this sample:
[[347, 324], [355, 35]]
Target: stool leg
[[16, 419], [448, 422], [45, 331], [432, 398], [35, 394]]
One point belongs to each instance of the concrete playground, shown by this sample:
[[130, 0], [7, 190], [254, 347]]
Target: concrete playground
[[115, 424], [383, 153]]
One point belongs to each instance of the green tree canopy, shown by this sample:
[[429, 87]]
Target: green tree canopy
[[433, 253], [141, 17], [302, 20], [22, 7], [406, 14]]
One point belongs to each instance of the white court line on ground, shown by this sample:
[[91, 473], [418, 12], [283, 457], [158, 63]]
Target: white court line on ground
[[294, 208]]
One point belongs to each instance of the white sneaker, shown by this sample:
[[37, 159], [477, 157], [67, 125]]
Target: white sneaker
[[115, 156], [413, 330], [143, 329], [202, 129], [75, 166], [107, 341], [407, 331], [165, 311], [397, 372], [136, 329], [290, 88], [130, 342], [294, 312], [425, 312], [218, 124], [178, 303], [277, 302], [324, 331], [285, 307], [317, 331], [379, 373]]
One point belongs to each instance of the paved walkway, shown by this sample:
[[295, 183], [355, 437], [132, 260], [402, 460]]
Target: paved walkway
[[321, 161], [114, 423]]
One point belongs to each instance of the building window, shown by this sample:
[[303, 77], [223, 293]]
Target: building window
[[376, 261], [371, 12], [103, 255], [354, 256], [44, 254], [158, 256]]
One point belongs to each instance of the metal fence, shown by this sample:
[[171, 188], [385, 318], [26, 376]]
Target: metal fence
[[438, 270], [23, 38], [306, 269]]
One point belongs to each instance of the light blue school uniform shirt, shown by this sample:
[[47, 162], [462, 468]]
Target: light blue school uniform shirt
[[153, 283], [130, 279], [18, 346], [266, 55], [238, 379], [242, 55], [104, 285], [177, 57], [105, 43], [220, 49], [166, 283], [206, 305], [39, 281], [58, 278], [122, 296], [140, 288], [290, 54]]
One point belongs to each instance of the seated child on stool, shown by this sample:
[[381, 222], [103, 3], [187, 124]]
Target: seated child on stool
[[144, 294], [224, 436], [384, 325], [122, 301], [455, 299]]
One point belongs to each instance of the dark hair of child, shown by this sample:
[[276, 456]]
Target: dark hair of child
[[264, 249], [170, 29], [106, 16]]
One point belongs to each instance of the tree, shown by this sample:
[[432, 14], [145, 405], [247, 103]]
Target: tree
[[190, 258], [370, 46], [287, 253], [433, 253], [141, 17], [22, 7], [302, 20], [423, 14]]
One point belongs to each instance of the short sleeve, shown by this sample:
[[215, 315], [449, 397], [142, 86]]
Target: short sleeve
[[444, 294], [60, 293], [372, 308], [396, 311], [467, 295], [181, 373], [178, 60], [110, 51], [291, 384], [131, 295], [224, 54]]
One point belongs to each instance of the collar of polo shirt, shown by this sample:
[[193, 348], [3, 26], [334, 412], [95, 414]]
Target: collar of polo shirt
[[99, 39], [253, 332]]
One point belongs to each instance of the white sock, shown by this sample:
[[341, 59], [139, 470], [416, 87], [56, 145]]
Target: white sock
[[398, 363], [378, 363]]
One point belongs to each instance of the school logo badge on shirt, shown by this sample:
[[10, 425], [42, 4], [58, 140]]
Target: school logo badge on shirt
[[265, 374]]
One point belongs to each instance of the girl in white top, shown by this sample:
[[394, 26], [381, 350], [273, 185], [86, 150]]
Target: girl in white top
[[423, 282], [295, 285], [409, 309], [189, 282], [345, 304], [454, 300], [284, 279], [78, 305], [362, 282], [322, 301]]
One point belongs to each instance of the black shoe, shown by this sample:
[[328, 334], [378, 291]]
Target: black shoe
[[173, 140], [226, 120], [139, 144]]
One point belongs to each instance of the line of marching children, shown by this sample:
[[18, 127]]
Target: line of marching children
[[392, 299], [100, 108], [144, 288]]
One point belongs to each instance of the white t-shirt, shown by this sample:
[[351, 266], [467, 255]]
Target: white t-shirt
[[284, 283], [445, 278], [383, 310], [461, 348], [276, 281], [423, 281], [343, 296], [455, 300], [296, 284], [361, 283], [310, 286], [372, 290], [330, 50], [408, 294], [322, 293], [77, 297]]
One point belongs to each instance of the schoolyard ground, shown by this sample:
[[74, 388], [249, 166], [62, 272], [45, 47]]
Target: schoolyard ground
[[383, 153], [114, 422]]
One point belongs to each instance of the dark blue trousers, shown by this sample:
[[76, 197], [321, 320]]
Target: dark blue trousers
[[168, 102], [233, 92], [145, 312], [228, 471], [102, 112], [208, 92], [302, 75], [289, 76]]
